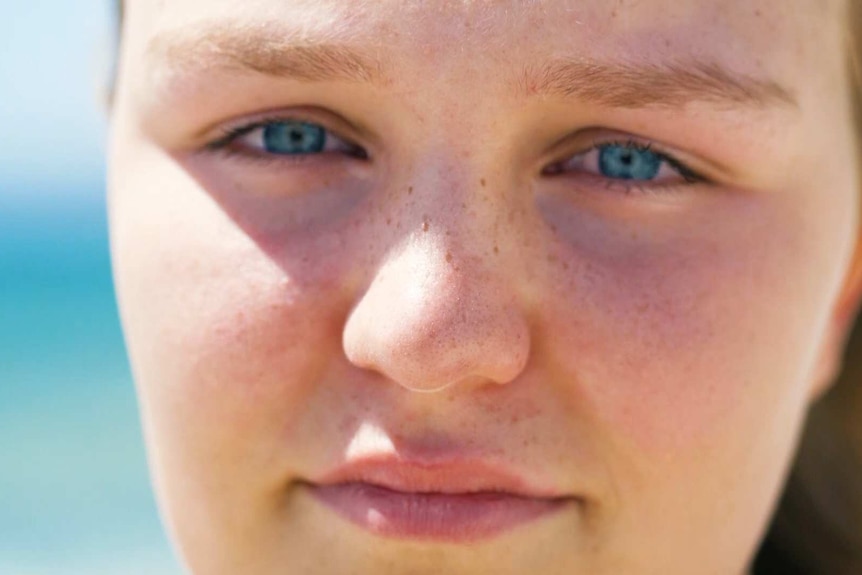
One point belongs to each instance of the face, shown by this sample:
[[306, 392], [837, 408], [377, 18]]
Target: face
[[479, 286]]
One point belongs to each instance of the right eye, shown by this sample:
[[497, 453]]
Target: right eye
[[284, 137]]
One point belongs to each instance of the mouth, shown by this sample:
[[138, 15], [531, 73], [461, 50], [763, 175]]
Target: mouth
[[452, 502]]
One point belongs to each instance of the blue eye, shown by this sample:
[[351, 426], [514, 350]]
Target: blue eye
[[293, 138], [628, 162]]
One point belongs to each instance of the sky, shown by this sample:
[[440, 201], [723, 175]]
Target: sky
[[54, 61]]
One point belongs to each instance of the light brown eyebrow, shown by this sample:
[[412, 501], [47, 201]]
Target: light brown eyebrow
[[272, 50], [268, 50], [624, 85]]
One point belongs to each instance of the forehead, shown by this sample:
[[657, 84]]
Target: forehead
[[739, 28], [793, 52]]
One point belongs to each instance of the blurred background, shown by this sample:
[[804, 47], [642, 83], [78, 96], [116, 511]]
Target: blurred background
[[74, 493]]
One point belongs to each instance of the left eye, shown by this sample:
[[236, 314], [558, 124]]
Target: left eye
[[293, 138], [285, 138], [627, 161]]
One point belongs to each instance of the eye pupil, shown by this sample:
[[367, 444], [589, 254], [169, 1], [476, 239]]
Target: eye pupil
[[627, 163], [294, 138]]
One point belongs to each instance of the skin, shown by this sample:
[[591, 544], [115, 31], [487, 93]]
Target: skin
[[652, 351]]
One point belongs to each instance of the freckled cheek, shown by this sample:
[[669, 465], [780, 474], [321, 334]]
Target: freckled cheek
[[672, 347]]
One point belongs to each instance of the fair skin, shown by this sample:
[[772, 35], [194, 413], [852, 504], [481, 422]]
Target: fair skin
[[647, 349]]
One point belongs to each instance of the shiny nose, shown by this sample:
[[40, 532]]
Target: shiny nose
[[431, 319]]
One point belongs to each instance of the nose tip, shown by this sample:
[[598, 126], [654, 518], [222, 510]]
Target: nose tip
[[429, 324]]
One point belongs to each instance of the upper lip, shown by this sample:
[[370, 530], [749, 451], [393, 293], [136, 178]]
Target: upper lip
[[451, 476]]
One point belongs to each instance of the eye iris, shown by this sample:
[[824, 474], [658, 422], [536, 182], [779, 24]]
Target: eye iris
[[628, 163], [294, 138]]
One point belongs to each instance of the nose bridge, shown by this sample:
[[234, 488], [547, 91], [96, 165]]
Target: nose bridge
[[458, 188], [439, 310]]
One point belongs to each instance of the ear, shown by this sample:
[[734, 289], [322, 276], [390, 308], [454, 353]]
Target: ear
[[830, 357]]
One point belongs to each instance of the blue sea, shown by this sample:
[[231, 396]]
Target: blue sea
[[75, 496]]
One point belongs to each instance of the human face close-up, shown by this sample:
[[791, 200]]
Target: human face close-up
[[479, 286]]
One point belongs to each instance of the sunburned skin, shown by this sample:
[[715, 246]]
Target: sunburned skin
[[455, 278]]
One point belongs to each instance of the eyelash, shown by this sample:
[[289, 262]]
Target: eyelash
[[687, 173], [224, 144], [646, 187]]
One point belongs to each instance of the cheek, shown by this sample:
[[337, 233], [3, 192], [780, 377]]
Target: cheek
[[227, 334], [684, 335]]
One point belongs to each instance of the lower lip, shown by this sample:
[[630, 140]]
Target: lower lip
[[444, 517]]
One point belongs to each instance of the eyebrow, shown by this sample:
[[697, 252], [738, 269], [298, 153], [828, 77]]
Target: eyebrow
[[265, 49], [625, 85], [271, 50]]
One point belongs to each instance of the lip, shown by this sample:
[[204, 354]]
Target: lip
[[454, 501]]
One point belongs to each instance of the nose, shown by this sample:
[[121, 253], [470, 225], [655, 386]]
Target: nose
[[434, 317]]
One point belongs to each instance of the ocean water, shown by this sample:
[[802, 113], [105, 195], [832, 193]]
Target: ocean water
[[75, 496]]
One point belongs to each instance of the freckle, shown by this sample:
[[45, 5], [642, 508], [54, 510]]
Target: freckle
[[425, 224], [482, 182], [552, 258], [496, 249], [410, 190], [449, 257], [388, 221]]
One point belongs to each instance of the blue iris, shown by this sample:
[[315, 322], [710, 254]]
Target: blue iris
[[293, 138], [628, 162]]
